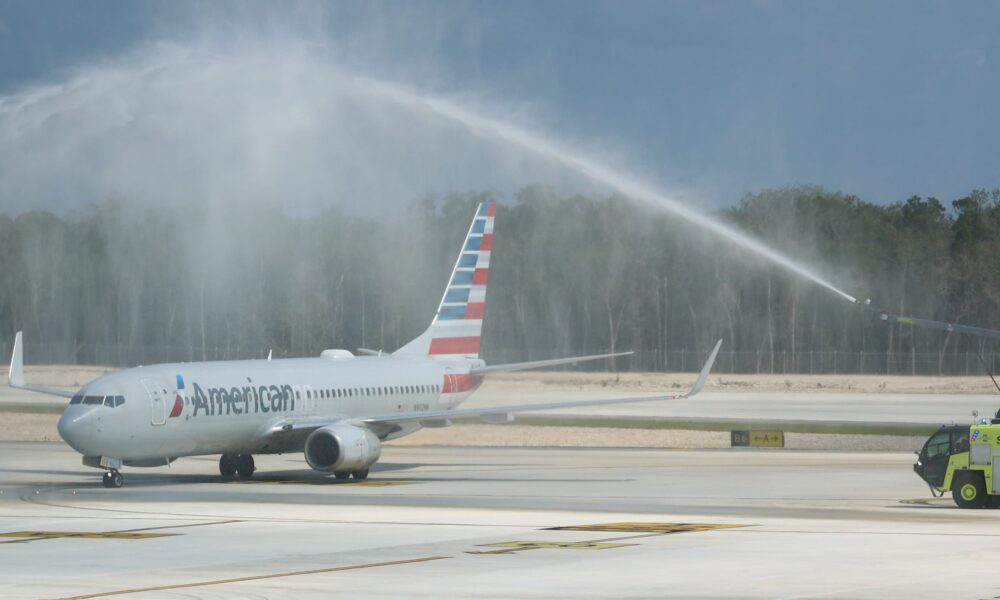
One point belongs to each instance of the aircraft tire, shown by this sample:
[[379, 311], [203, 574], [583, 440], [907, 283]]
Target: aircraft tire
[[342, 474], [113, 479], [969, 490], [245, 466], [227, 465], [360, 475]]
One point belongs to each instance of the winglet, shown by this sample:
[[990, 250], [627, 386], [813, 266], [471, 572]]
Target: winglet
[[15, 378], [703, 376]]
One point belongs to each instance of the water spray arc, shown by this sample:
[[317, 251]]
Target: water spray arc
[[277, 140], [629, 186]]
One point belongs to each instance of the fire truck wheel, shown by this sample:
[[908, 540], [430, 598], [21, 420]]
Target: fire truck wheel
[[969, 490]]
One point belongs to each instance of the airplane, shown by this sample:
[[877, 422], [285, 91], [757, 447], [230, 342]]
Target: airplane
[[337, 409]]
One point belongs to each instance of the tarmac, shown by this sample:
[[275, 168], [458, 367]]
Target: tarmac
[[434, 522]]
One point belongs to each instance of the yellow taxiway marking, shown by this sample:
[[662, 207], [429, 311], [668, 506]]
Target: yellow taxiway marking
[[648, 527], [178, 586], [123, 534], [366, 483], [640, 530], [48, 535]]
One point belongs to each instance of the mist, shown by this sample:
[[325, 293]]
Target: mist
[[275, 124], [238, 193], [281, 124]]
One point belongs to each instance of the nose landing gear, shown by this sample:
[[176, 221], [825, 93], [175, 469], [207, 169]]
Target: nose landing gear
[[113, 479]]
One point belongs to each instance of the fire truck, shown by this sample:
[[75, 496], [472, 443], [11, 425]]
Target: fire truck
[[960, 459]]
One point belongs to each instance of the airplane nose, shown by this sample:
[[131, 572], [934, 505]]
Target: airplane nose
[[76, 427]]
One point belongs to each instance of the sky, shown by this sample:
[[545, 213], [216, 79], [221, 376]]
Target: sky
[[707, 100]]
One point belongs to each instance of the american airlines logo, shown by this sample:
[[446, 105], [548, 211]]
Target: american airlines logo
[[242, 400]]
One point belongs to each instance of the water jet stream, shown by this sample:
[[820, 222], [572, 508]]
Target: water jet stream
[[552, 151]]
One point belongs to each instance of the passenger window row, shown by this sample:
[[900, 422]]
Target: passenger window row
[[110, 401], [392, 390]]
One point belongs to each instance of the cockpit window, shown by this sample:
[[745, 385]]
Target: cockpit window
[[119, 400], [109, 401], [77, 399], [93, 400], [939, 444]]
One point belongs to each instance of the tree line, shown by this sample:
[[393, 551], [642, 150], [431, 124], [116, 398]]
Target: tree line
[[127, 283]]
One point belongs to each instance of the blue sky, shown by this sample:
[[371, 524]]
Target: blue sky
[[881, 99]]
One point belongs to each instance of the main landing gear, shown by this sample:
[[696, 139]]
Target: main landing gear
[[359, 475], [113, 479], [237, 464]]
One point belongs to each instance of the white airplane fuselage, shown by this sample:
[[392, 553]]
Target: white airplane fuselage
[[230, 407]]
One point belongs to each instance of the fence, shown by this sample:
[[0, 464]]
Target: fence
[[732, 362]]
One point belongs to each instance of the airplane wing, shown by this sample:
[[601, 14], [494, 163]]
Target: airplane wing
[[15, 377], [538, 364], [495, 414]]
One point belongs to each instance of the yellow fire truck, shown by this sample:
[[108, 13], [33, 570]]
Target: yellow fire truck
[[961, 459]]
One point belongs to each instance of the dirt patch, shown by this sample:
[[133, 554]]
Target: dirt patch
[[65, 376], [567, 437], [521, 436], [26, 427]]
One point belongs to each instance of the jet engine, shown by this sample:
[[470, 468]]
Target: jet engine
[[342, 448]]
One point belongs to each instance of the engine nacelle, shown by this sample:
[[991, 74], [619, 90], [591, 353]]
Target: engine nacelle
[[342, 448]]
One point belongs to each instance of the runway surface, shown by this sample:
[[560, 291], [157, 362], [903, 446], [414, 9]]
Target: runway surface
[[476, 522]]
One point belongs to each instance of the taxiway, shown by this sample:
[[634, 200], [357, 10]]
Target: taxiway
[[493, 523]]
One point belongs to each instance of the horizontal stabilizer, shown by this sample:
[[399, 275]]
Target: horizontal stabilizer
[[540, 364], [503, 414]]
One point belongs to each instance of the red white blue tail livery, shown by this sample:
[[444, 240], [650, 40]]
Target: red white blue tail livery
[[457, 327]]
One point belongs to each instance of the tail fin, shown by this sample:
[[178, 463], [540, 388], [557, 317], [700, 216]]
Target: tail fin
[[458, 324]]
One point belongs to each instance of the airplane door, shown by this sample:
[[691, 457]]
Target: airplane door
[[156, 401]]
